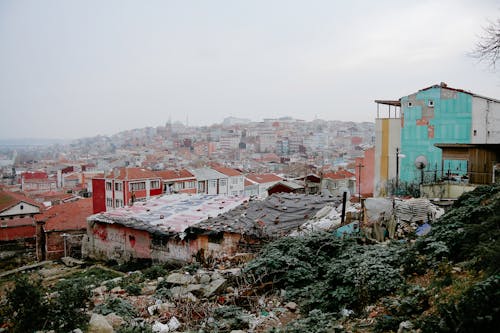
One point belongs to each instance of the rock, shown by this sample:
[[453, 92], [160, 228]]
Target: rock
[[166, 307], [148, 290], [173, 324], [230, 290], [153, 309], [112, 281], [292, 306], [99, 324], [237, 331], [204, 279], [160, 279], [183, 293], [217, 276], [117, 290], [214, 287], [160, 328], [115, 320], [178, 278], [99, 291], [70, 262], [405, 326], [77, 330]]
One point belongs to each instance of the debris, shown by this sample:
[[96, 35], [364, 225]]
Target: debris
[[178, 278], [99, 324], [292, 306]]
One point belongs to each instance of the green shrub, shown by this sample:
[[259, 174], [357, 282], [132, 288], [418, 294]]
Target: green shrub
[[118, 306]]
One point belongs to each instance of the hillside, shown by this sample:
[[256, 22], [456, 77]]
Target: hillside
[[447, 281]]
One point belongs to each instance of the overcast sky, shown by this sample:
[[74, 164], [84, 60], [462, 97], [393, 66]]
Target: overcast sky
[[71, 69]]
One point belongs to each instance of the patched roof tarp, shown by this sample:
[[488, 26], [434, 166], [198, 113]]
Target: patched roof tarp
[[169, 214], [275, 216]]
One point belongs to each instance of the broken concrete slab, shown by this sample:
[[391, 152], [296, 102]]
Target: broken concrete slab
[[214, 286], [179, 278]]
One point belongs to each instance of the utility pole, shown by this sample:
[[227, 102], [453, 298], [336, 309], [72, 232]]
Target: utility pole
[[397, 169], [359, 182]]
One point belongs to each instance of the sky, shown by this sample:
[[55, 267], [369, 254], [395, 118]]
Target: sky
[[72, 69]]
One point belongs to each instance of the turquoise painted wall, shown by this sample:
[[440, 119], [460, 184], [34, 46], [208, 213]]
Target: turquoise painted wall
[[450, 120]]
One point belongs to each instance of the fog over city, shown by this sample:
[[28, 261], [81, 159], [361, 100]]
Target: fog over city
[[72, 69]]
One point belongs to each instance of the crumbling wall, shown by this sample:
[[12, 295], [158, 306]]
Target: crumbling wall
[[116, 242]]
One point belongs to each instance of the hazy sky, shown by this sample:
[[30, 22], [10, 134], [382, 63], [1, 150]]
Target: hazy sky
[[72, 69]]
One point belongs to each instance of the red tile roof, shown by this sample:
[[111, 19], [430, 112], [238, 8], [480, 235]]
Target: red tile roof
[[133, 174], [340, 174], [174, 174], [227, 171], [34, 175], [264, 178], [9, 199], [67, 216]]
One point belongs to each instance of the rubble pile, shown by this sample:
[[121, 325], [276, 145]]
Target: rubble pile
[[205, 301]]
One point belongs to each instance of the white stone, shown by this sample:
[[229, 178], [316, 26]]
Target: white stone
[[99, 324]]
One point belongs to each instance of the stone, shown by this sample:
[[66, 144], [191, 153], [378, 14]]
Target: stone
[[148, 290], [204, 279], [115, 320], [173, 324], [183, 293], [77, 330], [70, 262], [99, 291], [99, 324], [117, 290], [292, 306], [178, 278], [160, 328], [405, 326], [214, 287], [166, 307], [217, 276], [112, 281]]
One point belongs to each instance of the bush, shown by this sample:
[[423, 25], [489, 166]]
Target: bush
[[26, 308], [118, 306], [327, 273]]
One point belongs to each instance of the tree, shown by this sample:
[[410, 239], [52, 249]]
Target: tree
[[488, 47]]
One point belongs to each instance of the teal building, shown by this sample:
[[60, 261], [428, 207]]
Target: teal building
[[441, 115]]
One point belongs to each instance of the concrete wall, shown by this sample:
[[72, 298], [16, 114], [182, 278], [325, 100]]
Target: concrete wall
[[445, 191], [387, 139], [435, 115], [116, 242], [485, 121], [21, 208]]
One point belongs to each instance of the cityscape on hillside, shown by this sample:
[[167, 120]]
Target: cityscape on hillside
[[249, 167]]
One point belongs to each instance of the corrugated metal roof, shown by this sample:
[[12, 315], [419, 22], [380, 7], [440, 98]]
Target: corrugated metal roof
[[169, 214]]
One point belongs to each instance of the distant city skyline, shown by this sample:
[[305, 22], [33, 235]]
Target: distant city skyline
[[85, 68]]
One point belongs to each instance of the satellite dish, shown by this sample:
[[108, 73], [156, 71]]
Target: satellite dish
[[421, 162]]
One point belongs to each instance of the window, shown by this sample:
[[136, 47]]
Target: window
[[189, 184], [118, 186], [138, 186], [475, 132], [108, 186], [410, 104], [155, 184], [118, 203], [235, 180], [223, 182], [109, 202], [430, 103]]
